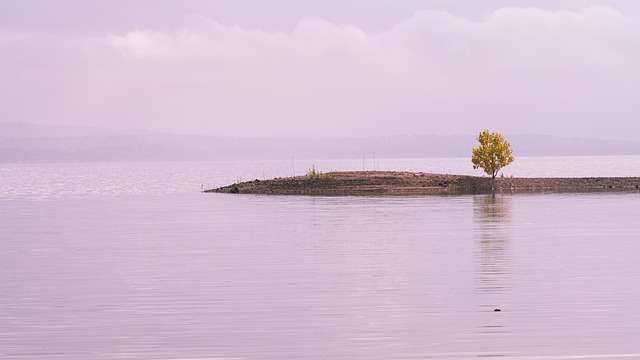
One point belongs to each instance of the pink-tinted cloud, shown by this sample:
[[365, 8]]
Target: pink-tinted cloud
[[519, 70]]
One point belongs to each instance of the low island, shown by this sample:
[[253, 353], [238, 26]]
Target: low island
[[411, 183], [493, 154]]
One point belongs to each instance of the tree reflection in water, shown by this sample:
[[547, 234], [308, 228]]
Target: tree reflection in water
[[492, 215]]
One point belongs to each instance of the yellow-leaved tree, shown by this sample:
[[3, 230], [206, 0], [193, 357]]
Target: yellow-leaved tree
[[493, 154]]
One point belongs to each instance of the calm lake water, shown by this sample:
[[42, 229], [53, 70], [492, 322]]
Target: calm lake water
[[130, 261]]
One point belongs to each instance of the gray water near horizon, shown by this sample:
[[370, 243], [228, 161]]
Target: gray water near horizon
[[130, 261]]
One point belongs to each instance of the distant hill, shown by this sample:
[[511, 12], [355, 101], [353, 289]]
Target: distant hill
[[31, 142]]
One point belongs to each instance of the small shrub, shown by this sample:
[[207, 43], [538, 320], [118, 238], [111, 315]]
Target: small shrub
[[314, 174]]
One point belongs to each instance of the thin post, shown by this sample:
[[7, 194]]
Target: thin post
[[374, 160]]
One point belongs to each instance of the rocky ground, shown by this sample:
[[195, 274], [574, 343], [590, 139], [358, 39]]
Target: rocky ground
[[408, 183]]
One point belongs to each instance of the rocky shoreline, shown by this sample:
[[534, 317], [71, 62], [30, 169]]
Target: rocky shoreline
[[409, 183]]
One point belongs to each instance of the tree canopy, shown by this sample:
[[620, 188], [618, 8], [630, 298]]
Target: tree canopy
[[493, 154]]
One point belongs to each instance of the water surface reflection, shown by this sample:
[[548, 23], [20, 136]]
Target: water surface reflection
[[493, 218]]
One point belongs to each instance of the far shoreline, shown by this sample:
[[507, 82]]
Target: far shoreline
[[354, 183]]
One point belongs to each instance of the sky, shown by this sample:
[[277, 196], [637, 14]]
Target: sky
[[335, 68]]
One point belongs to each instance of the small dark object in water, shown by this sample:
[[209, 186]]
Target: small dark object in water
[[234, 190], [497, 310]]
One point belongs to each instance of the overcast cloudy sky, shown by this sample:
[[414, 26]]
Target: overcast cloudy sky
[[329, 67]]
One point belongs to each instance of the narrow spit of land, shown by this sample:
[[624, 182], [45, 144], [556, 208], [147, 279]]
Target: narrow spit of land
[[409, 183]]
